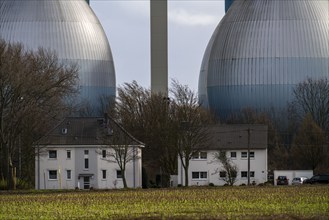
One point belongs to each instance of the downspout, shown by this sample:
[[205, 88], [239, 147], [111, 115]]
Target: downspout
[[38, 167], [134, 161]]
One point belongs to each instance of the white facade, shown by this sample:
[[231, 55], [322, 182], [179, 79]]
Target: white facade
[[84, 167], [206, 169]]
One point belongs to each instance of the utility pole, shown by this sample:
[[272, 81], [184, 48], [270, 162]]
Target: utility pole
[[248, 156]]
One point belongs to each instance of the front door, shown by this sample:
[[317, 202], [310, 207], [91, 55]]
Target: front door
[[86, 182]]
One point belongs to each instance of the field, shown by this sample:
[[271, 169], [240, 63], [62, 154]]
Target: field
[[306, 202]]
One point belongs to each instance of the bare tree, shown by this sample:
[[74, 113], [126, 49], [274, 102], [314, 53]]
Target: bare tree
[[308, 146], [148, 118], [312, 97], [120, 147], [121, 155], [157, 121], [33, 88], [192, 118], [229, 170]]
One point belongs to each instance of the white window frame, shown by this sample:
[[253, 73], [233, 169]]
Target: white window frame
[[244, 155], [233, 158], [69, 177], [104, 153], [222, 172], [50, 175], [198, 155], [252, 154], [119, 176], [252, 174], [104, 172], [52, 158], [202, 153], [84, 163], [200, 174], [245, 174], [68, 152]]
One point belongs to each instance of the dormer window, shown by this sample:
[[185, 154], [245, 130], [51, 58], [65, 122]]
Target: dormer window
[[64, 130]]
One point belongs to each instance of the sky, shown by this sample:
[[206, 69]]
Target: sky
[[127, 26]]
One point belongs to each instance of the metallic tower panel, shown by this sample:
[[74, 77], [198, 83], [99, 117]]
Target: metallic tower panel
[[72, 30], [260, 51], [159, 47], [228, 4]]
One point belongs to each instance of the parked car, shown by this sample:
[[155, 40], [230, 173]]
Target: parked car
[[298, 180], [318, 179], [282, 180]]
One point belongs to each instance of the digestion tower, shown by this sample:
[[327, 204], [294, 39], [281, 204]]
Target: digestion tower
[[72, 30], [260, 50]]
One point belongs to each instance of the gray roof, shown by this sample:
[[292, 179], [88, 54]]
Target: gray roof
[[228, 137], [88, 131]]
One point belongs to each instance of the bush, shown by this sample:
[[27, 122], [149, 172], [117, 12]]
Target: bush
[[23, 184], [3, 184], [211, 184]]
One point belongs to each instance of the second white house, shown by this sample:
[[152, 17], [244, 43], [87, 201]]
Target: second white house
[[236, 141]]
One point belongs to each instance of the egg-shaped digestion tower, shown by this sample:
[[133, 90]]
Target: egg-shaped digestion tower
[[72, 30], [260, 50]]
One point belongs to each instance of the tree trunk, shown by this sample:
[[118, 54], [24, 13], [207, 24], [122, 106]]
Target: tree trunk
[[186, 170], [10, 174], [124, 179]]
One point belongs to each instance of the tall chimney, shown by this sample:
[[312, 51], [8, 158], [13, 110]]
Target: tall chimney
[[159, 47]]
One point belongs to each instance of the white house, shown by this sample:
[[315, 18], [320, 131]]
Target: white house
[[80, 153], [235, 140]]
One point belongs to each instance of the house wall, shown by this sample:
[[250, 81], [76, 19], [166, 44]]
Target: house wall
[[61, 164], [77, 166], [211, 166], [133, 171]]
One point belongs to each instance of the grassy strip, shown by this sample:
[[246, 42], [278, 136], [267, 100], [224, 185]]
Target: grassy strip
[[188, 203]]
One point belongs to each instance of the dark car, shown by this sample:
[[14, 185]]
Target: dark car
[[282, 180], [318, 179]]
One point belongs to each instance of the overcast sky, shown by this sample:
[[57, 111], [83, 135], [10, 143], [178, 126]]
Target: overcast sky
[[127, 26]]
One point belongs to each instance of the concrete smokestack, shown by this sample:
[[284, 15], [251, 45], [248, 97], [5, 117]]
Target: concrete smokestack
[[159, 47]]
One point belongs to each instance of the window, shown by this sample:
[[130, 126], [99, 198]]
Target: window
[[203, 155], [233, 155], [103, 174], [68, 174], [222, 174], [86, 163], [244, 174], [86, 152], [244, 154], [52, 175], [103, 153], [195, 155], [199, 155], [119, 174], [199, 175], [251, 153], [53, 154], [68, 154]]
